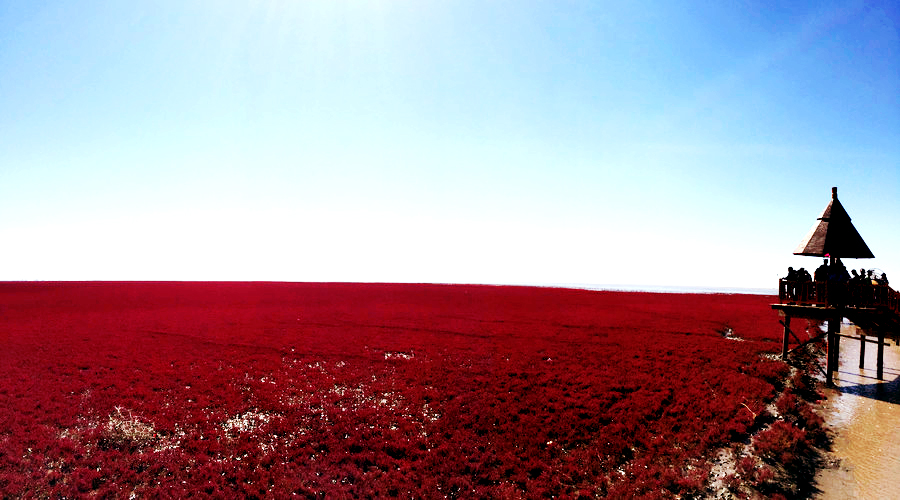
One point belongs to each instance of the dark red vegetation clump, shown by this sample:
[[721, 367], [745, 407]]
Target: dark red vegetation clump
[[330, 390]]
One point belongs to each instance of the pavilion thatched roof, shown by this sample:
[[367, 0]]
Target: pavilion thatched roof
[[834, 235]]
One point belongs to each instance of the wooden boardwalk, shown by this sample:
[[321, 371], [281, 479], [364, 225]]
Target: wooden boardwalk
[[874, 309]]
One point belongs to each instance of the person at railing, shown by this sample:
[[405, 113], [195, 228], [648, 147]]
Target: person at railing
[[884, 280], [838, 272], [879, 294], [804, 291], [836, 291], [819, 293], [821, 273], [791, 283], [854, 292]]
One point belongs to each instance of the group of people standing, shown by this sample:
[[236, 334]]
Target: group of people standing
[[868, 277], [797, 275], [834, 272], [837, 272]]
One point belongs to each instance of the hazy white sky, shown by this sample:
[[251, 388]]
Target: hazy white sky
[[655, 143]]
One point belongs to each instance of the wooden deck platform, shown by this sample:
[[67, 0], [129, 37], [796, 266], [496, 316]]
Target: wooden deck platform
[[874, 309]]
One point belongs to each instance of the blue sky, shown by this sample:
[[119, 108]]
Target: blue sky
[[643, 143]]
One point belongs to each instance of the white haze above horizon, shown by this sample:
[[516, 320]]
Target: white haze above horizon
[[639, 143]]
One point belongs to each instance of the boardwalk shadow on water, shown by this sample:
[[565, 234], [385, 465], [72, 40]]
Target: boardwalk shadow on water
[[863, 382], [863, 416], [887, 391]]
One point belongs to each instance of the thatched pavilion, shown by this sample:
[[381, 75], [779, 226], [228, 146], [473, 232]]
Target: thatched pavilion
[[834, 235], [874, 308]]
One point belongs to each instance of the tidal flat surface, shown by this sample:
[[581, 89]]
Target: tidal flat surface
[[864, 414]]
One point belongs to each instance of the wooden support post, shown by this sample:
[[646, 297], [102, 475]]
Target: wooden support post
[[829, 363], [862, 351], [879, 369], [834, 327], [837, 343], [787, 331]]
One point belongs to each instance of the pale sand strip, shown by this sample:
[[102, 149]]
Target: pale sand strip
[[864, 414]]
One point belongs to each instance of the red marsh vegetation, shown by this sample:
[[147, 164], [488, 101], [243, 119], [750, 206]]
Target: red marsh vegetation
[[365, 390]]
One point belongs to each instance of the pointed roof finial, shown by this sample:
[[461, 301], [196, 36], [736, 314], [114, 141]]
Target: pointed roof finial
[[834, 193]]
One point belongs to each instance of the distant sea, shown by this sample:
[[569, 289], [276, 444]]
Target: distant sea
[[662, 288]]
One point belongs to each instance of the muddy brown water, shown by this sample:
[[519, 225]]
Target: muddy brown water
[[864, 414]]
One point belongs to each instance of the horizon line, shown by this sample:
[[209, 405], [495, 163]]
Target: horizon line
[[699, 289]]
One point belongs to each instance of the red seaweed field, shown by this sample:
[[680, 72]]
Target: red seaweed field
[[113, 390]]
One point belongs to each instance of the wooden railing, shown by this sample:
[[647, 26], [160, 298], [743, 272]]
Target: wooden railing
[[822, 293]]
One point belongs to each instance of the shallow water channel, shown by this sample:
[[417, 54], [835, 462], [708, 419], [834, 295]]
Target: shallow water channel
[[864, 414]]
